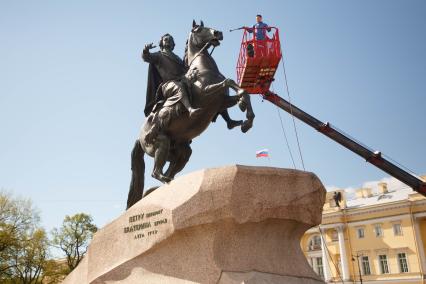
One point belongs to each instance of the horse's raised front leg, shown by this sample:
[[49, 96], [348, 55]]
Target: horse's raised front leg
[[233, 85], [244, 104], [247, 124], [214, 88], [227, 83], [244, 101], [229, 102]]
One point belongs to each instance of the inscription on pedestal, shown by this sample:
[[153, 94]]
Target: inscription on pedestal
[[145, 224]]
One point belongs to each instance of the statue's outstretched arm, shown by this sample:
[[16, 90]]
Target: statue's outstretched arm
[[146, 55]]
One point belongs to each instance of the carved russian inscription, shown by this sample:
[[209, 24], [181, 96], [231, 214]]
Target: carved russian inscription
[[145, 224]]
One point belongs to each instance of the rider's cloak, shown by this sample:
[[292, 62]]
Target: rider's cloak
[[154, 81], [163, 67]]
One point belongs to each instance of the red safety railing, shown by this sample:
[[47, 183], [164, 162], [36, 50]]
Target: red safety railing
[[258, 59]]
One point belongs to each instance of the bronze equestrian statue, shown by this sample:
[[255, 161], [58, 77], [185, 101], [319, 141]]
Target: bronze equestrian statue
[[169, 128]]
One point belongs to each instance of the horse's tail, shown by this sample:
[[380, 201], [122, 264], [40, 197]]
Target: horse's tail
[[138, 175]]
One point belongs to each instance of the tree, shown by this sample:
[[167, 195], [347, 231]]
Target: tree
[[23, 244], [54, 271], [73, 237], [31, 256]]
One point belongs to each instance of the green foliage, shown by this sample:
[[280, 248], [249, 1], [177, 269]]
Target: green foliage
[[23, 244], [73, 237], [54, 271], [31, 256]]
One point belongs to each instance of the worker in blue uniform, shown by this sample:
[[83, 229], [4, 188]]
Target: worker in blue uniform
[[260, 30]]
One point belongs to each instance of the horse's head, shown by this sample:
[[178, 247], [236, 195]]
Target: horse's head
[[202, 36]]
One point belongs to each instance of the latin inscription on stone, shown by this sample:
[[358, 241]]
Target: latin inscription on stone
[[145, 224]]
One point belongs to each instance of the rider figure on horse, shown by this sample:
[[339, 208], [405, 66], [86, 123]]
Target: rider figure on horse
[[173, 92], [179, 90], [172, 127], [165, 65]]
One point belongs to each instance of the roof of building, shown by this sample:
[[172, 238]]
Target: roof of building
[[375, 199]]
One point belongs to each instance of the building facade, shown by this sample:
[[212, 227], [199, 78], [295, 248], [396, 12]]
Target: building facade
[[376, 237]]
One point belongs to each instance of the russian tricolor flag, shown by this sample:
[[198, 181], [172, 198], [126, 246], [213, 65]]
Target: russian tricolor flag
[[262, 153]]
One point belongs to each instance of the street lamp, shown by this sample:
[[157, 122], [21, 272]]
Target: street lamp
[[359, 267]]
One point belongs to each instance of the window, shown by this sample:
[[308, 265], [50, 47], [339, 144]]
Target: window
[[319, 267], [378, 230], [397, 229], [360, 233], [383, 262], [315, 243], [402, 261], [365, 265]]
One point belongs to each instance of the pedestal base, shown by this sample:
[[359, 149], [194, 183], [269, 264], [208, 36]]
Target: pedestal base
[[233, 224]]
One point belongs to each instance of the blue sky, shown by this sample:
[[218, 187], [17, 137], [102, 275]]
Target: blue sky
[[72, 88]]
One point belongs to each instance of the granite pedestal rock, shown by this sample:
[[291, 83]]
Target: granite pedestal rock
[[234, 224]]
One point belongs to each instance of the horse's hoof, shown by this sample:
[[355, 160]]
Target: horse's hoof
[[242, 105], [246, 126], [156, 176], [234, 123], [161, 177]]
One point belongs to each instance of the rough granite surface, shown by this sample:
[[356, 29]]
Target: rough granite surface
[[233, 224]]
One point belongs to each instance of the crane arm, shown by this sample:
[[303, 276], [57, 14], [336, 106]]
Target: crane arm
[[328, 130]]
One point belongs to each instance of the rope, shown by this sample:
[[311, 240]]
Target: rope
[[327, 253], [284, 134], [352, 138], [291, 112], [413, 173]]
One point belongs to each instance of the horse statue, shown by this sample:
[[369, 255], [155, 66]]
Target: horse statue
[[209, 92]]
